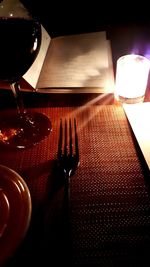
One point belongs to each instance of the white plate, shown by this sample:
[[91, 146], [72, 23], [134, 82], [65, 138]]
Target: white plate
[[15, 211]]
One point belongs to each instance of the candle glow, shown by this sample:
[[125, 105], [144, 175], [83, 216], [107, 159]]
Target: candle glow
[[131, 77]]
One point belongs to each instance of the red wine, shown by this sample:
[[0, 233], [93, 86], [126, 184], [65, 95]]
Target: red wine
[[20, 41]]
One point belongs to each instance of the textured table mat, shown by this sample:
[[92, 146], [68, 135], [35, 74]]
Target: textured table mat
[[109, 194]]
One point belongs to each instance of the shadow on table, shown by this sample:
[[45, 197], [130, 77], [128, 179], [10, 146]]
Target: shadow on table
[[47, 239]]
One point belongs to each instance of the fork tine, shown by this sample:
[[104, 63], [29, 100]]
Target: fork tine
[[68, 149], [65, 140], [70, 138], [76, 141], [60, 141]]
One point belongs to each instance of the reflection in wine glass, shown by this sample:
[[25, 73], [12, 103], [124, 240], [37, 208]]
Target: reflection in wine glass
[[20, 36]]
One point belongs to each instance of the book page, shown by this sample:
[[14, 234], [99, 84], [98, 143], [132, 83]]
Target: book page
[[32, 75], [78, 61], [137, 115]]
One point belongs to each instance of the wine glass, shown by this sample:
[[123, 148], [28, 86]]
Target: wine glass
[[20, 40]]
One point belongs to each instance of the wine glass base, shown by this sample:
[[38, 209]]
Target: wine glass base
[[24, 131]]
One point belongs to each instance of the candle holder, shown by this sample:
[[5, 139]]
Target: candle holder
[[131, 78]]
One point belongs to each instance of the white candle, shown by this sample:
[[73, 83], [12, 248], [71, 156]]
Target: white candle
[[131, 78]]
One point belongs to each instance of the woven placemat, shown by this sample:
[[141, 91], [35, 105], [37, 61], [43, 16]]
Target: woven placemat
[[109, 197]]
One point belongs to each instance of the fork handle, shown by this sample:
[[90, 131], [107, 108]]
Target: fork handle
[[67, 209], [67, 193], [66, 218]]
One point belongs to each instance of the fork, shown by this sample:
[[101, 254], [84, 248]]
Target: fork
[[68, 152], [68, 161]]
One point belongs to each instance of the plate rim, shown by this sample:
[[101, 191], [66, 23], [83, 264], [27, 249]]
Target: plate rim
[[28, 210]]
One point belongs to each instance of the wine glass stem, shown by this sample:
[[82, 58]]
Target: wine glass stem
[[18, 97]]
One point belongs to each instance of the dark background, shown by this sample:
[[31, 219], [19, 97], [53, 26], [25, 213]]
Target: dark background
[[63, 17]]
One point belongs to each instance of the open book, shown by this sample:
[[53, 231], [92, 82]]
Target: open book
[[72, 63]]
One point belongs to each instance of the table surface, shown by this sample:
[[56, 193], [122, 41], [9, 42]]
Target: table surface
[[109, 194]]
